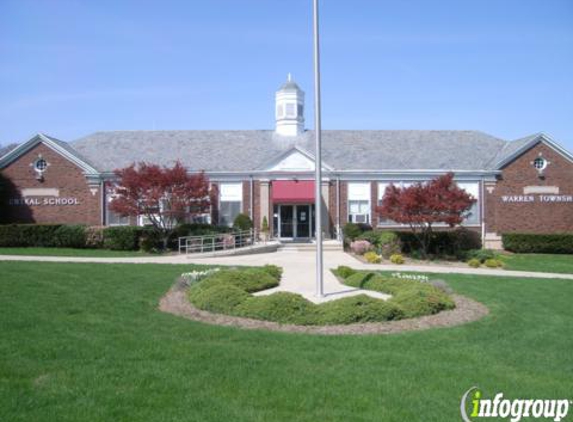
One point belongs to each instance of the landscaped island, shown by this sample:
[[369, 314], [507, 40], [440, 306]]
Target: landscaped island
[[230, 292]]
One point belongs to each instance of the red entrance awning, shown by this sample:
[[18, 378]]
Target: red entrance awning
[[293, 191]]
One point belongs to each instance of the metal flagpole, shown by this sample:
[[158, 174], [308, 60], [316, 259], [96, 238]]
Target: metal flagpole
[[318, 159]]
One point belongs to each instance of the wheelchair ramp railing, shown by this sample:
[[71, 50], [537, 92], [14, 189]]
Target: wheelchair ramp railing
[[217, 242]]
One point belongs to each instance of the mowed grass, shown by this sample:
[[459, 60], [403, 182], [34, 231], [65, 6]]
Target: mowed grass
[[85, 342], [549, 263], [103, 253]]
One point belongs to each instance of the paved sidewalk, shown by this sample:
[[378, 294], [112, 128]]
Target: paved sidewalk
[[299, 269]]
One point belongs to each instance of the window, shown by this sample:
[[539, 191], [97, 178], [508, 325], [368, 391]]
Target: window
[[540, 163], [473, 189], [114, 219], [280, 111], [359, 203], [382, 221], [40, 165], [359, 211], [230, 202], [291, 110]]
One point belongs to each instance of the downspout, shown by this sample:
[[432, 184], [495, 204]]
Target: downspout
[[102, 202]]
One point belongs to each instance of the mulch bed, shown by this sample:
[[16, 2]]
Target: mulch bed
[[467, 310]]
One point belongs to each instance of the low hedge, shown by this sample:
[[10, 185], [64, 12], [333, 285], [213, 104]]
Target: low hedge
[[122, 238], [281, 307], [411, 297], [356, 309], [443, 243], [218, 297], [248, 279], [228, 292], [538, 243], [42, 235]]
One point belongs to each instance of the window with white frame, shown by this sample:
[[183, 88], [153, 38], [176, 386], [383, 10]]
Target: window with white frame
[[359, 203], [113, 218], [473, 189], [230, 202], [383, 221]]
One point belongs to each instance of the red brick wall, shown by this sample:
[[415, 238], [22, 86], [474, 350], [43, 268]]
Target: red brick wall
[[61, 174], [214, 197], [332, 206], [246, 198], [533, 217]]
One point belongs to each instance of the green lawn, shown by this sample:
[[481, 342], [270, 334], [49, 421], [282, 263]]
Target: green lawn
[[85, 342], [103, 253], [539, 262]]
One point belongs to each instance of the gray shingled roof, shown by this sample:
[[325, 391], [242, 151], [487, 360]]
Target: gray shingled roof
[[217, 150]]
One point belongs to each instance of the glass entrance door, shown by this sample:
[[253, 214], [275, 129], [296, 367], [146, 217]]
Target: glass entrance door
[[286, 221], [294, 221], [302, 221]]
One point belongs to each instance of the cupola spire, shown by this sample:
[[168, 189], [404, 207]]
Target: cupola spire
[[289, 109]]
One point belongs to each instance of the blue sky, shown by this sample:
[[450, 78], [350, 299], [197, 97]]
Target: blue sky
[[70, 68]]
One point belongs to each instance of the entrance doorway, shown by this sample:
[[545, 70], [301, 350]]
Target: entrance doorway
[[294, 222]]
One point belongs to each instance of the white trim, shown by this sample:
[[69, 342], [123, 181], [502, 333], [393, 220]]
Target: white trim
[[22, 149], [540, 138], [273, 162]]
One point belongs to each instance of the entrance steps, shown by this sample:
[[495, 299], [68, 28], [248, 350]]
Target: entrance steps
[[327, 245]]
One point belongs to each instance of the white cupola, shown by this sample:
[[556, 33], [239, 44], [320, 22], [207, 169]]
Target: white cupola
[[289, 109]]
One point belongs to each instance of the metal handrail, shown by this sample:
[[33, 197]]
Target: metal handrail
[[217, 242]]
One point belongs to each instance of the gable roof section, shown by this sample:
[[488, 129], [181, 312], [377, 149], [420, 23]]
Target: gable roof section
[[60, 147], [343, 150], [514, 149], [281, 162]]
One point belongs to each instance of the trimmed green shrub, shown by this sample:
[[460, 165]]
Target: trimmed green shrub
[[372, 257], [493, 263], [344, 271], [281, 307], [359, 308], [242, 222], [351, 231], [412, 297], [481, 254], [372, 236], [421, 300], [70, 236], [389, 244], [248, 279], [218, 297], [227, 292], [358, 279], [28, 235], [150, 240], [397, 259], [561, 243], [122, 238], [94, 237], [443, 243], [474, 263], [274, 271]]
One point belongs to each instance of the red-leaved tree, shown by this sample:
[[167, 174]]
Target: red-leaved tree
[[422, 205], [166, 196]]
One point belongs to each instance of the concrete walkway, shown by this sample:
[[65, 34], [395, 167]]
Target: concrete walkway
[[299, 269]]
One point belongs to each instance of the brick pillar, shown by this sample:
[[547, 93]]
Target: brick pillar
[[373, 204], [264, 201], [214, 197]]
